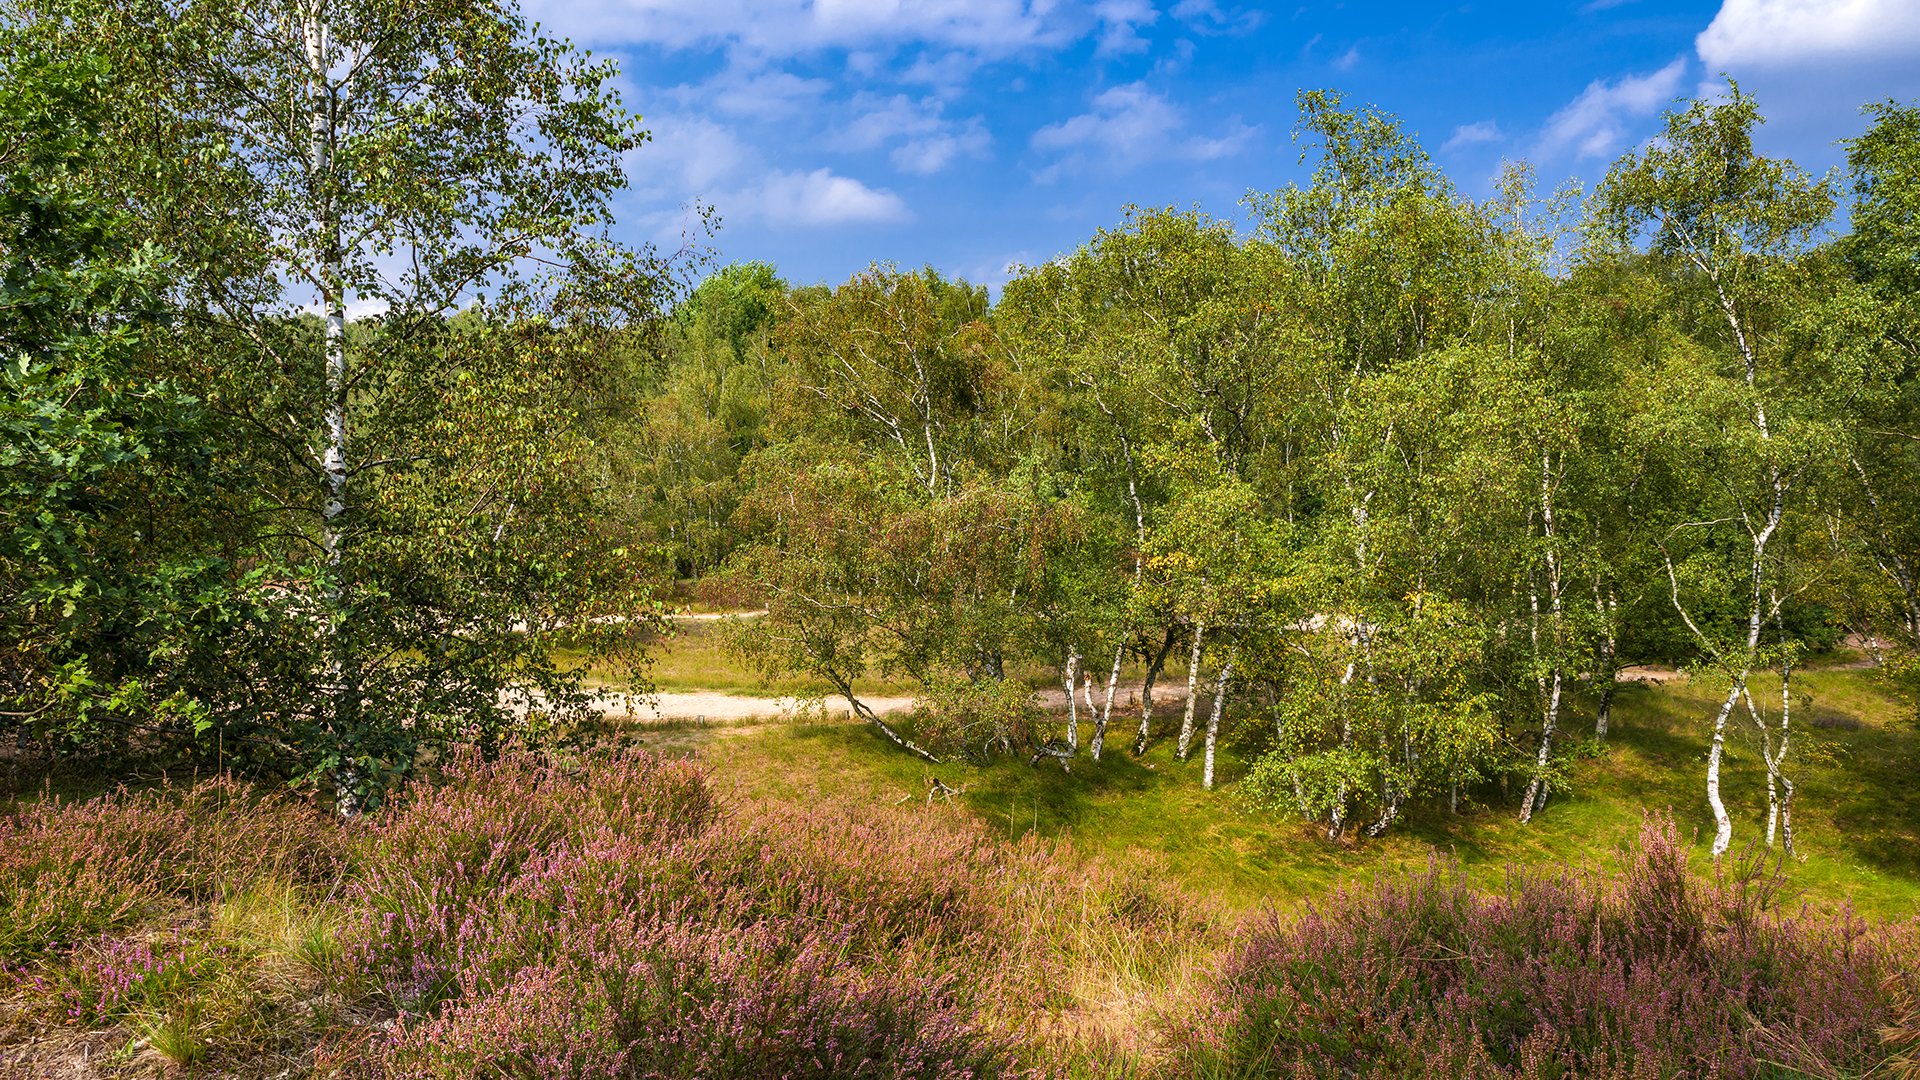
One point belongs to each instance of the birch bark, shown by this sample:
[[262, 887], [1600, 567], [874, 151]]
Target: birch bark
[[1193, 691]]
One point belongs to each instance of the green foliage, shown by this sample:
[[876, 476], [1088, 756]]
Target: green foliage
[[112, 589], [333, 547]]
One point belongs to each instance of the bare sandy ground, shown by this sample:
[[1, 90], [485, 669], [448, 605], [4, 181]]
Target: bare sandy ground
[[1168, 698], [713, 705]]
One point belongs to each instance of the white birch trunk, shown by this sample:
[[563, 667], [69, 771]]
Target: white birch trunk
[[1722, 824], [1193, 689], [1551, 684], [1069, 679], [1213, 721], [1106, 709], [330, 278]]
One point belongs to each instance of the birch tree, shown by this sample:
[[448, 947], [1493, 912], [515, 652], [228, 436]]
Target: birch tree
[[400, 159], [1727, 224]]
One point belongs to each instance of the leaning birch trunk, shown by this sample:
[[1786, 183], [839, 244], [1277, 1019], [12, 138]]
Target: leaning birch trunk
[[333, 458], [1213, 721], [1068, 679], [1722, 824], [1106, 710], [1193, 688], [1536, 791], [864, 712], [1154, 667]]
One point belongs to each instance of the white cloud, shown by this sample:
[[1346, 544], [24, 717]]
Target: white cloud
[[1783, 33], [947, 70], [686, 157], [1120, 22], [1128, 125], [1595, 123], [813, 199], [791, 27], [761, 95], [1484, 131], [934, 153], [1348, 60], [927, 141]]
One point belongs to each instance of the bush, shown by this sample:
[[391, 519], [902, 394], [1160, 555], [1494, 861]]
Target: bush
[[526, 919], [1647, 972], [776, 1000], [70, 872]]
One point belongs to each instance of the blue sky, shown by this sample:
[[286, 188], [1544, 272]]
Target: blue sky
[[971, 134]]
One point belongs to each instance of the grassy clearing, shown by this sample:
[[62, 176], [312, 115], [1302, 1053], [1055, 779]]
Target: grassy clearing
[[1086, 917], [1857, 811]]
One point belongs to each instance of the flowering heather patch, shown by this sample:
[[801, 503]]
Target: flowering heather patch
[[69, 872], [107, 978], [770, 1001], [530, 920], [1649, 972]]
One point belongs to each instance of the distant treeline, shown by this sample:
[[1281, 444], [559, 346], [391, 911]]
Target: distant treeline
[[1402, 477]]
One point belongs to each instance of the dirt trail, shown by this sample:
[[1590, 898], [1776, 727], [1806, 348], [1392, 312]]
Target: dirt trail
[[1167, 701], [713, 705]]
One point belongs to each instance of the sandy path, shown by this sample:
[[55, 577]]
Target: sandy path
[[713, 705], [1167, 700]]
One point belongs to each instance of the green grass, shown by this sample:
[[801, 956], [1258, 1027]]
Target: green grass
[[1857, 811], [695, 657]]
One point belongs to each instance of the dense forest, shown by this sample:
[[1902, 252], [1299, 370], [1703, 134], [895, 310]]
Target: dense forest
[[343, 451]]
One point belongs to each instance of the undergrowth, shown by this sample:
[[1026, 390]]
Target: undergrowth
[[616, 916]]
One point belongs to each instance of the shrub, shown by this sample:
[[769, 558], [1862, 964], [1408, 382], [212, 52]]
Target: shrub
[[531, 920], [72, 871], [651, 1001], [1648, 972]]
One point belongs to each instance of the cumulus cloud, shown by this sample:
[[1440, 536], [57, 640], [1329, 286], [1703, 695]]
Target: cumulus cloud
[[1348, 60], [1595, 123], [813, 199], [1475, 134], [1784, 33], [924, 140], [1128, 125]]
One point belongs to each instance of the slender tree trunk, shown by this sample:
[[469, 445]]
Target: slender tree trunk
[[1069, 680], [1536, 797], [343, 706], [861, 710], [1722, 824], [1774, 754], [1154, 666], [1106, 709], [1337, 817], [1608, 664], [1213, 721], [1193, 691]]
